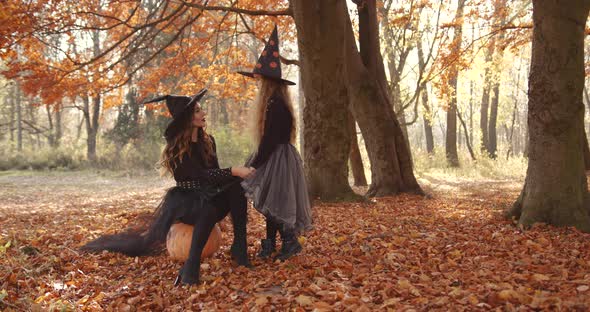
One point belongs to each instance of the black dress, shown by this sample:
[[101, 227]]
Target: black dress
[[203, 193], [278, 189]]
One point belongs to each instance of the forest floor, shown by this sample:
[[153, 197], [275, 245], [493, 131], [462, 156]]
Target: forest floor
[[451, 250]]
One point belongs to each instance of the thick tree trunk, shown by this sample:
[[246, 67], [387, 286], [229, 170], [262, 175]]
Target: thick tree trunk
[[391, 163], [586, 152], [555, 189], [356, 161], [326, 145], [451, 141]]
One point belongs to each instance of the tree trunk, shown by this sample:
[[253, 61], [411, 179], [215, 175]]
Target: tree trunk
[[334, 74], [586, 152], [485, 99], [356, 161], [555, 189], [451, 141], [91, 114], [50, 135], [427, 115], [12, 99], [492, 133], [326, 145], [58, 126], [391, 163], [19, 119]]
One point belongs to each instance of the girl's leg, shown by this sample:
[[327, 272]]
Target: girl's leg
[[290, 245], [269, 244]]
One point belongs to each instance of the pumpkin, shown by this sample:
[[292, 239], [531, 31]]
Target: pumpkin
[[180, 235]]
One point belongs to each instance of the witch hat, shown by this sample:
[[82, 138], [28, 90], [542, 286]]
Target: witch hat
[[269, 63], [178, 106]]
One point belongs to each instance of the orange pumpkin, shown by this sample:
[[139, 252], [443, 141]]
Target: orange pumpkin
[[178, 241]]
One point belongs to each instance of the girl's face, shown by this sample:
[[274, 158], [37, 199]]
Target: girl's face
[[199, 115]]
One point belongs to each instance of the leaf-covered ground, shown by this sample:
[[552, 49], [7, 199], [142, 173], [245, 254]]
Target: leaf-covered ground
[[448, 251]]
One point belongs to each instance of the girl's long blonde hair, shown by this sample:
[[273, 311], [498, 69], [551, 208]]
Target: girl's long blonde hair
[[178, 146], [267, 88]]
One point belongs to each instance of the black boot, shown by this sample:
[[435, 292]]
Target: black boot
[[290, 246], [239, 252], [269, 244], [239, 248], [188, 274]]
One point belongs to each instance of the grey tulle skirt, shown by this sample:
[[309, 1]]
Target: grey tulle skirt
[[278, 189]]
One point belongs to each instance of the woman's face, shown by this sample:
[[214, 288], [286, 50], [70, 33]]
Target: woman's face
[[199, 115]]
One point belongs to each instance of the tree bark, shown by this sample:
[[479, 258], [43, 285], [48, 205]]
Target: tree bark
[[326, 144], [356, 161], [451, 141], [586, 152], [555, 190], [391, 163]]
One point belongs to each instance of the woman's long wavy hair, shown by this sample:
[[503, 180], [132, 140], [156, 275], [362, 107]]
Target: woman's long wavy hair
[[266, 89], [178, 146]]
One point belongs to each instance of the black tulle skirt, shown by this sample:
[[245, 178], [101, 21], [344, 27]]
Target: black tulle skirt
[[178, 205]]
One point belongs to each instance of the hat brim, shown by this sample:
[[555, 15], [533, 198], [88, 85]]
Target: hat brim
[[176, 125], [256, 75]]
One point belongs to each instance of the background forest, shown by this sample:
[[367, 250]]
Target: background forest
[[454, 132]]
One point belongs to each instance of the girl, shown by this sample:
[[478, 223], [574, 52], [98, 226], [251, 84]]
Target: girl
[[278, 187]]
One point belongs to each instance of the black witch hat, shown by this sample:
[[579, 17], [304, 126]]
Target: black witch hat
[[269, 63], [178, 106]]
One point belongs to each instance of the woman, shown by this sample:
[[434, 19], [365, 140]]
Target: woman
[[278, 187], [204, 194]]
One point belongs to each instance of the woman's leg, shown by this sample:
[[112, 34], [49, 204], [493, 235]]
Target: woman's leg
[[190, 271], [234, 201]]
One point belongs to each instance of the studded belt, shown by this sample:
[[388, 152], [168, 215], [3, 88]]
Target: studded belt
[[193, 185]]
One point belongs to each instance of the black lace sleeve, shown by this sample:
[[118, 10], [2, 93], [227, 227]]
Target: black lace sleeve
[[194, 168], [277, 130]]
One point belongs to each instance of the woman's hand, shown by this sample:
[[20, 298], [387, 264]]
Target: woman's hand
[[242, 172]]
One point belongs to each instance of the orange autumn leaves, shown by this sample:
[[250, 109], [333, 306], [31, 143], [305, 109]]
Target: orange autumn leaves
[[50, 48], [451, 251]]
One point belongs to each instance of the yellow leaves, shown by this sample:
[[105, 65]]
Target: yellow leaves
[[4, 247], [540, 277], [304, 300]]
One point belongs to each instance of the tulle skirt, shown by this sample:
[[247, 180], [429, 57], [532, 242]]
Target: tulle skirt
[[278, 189], [179, 204]]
